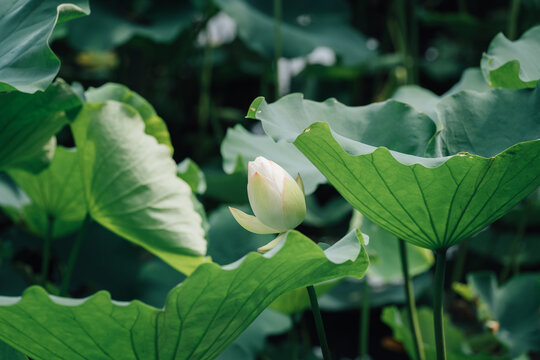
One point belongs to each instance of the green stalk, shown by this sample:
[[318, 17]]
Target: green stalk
[[411, 306], [512, 21], [412, 43], [402, 36], [512, 266], [277, 44], [462, 6], [46, 257], [459, 266], [364, 320], [407, 37], [440, 268], [318, 322], [73, 255], [206, 79]]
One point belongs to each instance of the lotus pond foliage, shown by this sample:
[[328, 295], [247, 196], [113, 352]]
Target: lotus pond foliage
[[253, 179]]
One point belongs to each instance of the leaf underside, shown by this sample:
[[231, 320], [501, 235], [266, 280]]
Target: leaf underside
[[430, 206], [131, 185]]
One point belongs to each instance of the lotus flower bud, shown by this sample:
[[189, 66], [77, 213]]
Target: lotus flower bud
[[277, 200]]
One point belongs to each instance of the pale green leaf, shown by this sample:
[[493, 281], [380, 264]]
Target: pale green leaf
[[392, 124], [239, 143], [131, 186], [513, 64], [154, 125], [488, 123], [471, 79], [426, 101], [419, 98]]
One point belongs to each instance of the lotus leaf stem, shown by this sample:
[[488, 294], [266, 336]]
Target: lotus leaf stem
[[318, 322]]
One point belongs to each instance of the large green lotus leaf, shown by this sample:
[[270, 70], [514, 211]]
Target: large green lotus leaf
[[426, 100], [58, 190], [430, 202], [27, 63], [131, 186], [471, 79], [383, 250], [392, 124], [457, 347], [113, 25], [28, 122], [488, 123], [306, 25], [154, 125], [419, 98], [241, 143], [513, 64], [515, 306], [201, 317]]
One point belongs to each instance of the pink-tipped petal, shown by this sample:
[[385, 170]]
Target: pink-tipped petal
[[251, 223]]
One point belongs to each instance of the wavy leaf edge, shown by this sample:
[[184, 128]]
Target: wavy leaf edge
[[428, 163], [331, 254]]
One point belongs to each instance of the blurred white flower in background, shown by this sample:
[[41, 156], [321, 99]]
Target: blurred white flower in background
[[221, 29], [288, 68]]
